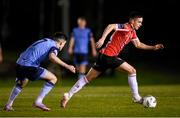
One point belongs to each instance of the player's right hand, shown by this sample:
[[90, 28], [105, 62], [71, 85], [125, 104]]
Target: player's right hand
[[99, 43], [72, 68]]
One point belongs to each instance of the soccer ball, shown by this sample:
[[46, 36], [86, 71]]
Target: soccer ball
[[149, 101]]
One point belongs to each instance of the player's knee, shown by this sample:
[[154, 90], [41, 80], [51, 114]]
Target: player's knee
[[132, 71], [54, 79], [21, 83]]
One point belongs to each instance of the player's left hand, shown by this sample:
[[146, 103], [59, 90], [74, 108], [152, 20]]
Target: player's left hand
[[72, 68], [158, 46]]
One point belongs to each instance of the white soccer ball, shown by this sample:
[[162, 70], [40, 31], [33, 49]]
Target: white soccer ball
[[149, 101]]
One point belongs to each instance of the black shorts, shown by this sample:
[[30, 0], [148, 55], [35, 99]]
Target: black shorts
[[105, 62], [29, 72], [80, 59]]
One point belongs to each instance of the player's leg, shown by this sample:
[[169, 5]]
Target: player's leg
[[125, 67], [95, 71], [82, 71], [20, 83], [48, 86], [92, 74], [81, 61]]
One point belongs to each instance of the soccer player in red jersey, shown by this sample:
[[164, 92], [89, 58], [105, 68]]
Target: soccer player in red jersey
[[124, 33]]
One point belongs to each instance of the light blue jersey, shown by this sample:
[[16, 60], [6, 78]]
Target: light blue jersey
[[37, 52], [81, 40]]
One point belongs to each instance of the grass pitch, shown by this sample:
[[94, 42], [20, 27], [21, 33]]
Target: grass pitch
[[100, 101], [103, 97]]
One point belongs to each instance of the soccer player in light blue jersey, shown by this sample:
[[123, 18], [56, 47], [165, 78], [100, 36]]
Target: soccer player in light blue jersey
[[28, 68], [81, 36]]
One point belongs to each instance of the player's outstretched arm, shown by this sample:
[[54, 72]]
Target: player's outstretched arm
[[55, 59], [107, 30], [143, 46]]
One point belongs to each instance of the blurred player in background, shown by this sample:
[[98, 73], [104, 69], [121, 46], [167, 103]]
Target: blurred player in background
[[28, 68], [107, 58], [81, 36]]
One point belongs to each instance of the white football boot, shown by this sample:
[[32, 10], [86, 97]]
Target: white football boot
[[138, 100], [8, 108], [41, 106], [65, 100]]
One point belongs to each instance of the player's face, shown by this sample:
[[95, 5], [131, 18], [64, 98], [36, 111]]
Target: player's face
[[61, 44], [81, 23], [137, 23]]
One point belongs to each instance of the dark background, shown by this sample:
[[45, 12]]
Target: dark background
[[25, 21]]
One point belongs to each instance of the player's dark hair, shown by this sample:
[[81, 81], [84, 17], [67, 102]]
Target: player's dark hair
[[82, 18], [135, 14], [59, 36]]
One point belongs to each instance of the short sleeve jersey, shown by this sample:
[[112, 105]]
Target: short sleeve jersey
[[123, 35], [37, 52], [81, 39]]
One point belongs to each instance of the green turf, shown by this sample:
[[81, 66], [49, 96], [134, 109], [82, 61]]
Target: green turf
[[95, 101], [106, 96]]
